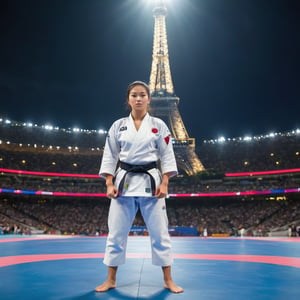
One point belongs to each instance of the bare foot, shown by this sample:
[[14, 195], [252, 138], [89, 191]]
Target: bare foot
[[105, 286], [173, 287]]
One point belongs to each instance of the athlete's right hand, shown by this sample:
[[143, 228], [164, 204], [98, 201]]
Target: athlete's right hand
[[111, 191]]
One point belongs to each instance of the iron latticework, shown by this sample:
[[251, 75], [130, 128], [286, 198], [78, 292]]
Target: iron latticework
[[164, 102]]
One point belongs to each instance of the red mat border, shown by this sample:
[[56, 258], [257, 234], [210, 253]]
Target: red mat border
[[277, 260]]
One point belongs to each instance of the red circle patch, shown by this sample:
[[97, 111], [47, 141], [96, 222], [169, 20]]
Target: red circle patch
[[154, 130]]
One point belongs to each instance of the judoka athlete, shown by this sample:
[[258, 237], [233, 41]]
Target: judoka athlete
[[133, 148]]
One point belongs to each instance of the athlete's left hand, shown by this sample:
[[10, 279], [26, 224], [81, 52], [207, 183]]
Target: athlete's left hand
[[161, 191]]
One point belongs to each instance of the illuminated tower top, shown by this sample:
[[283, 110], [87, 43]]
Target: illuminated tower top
[[161, 84], [164, 102]]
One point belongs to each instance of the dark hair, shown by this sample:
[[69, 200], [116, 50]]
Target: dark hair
[[132, 85], [135, 83]]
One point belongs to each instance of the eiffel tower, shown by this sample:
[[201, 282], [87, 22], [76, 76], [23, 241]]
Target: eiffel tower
[[164, 102]]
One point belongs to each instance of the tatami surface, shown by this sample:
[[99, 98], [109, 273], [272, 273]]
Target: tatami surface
[[70, 267]]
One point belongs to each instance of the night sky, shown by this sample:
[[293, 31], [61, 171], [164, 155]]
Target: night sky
[[235, 64]]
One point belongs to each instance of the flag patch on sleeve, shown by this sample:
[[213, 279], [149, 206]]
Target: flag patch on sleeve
[[167, 139], [154, 130]]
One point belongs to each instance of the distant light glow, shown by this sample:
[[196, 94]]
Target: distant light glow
[[102, 131], [158, 1], [272, 135], [48, 127]]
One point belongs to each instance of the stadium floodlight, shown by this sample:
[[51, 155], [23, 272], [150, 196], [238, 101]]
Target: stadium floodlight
[[157, 1], [272, 134], [247, 138], [48, 127], [160, 2], [221, 139], [101, 131], [7, 122], [76, 129]]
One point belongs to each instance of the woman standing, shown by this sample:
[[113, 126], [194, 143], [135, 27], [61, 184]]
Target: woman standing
[[134, 147]]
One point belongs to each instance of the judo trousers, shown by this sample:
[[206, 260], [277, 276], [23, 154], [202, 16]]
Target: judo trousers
[[121, 215]]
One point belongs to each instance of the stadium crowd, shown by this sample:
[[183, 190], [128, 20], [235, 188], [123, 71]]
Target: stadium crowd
[[61, 151], [265, 153], [177, 185], [89, 216], [38, 149]]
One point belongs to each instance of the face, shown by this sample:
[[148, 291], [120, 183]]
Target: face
[[138, 98]]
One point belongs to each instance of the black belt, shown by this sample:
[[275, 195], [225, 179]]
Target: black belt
[[138, 169]]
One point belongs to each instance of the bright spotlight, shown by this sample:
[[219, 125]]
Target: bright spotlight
[[48, 127], [272, 134], [247, 138], [158, 2]]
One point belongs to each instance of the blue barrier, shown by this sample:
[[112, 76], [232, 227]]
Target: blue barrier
[[173, 230]]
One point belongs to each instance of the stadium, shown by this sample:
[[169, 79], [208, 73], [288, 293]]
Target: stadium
[[228, 223], [50, 185]]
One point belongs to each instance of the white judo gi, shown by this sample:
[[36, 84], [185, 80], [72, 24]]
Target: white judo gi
[[151, 143]]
